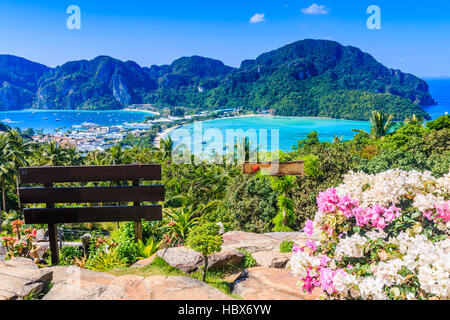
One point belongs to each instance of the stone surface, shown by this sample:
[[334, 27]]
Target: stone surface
[[252, 242], [160, 288], [73, 283], [19, 277], [143, 262], [270, 284], [188, 260], [41, 235], [182, 258], [271, 259], [225, 258]]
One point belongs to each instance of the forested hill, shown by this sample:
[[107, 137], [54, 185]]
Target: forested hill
[[305, 78]]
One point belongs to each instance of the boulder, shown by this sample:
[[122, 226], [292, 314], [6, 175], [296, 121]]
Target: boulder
[[271, 259], [225, 258], [182, 258], [41, 236], [188, 260], [252, 242], [160, 288], [20, 277], [73, 283], [270, 284]]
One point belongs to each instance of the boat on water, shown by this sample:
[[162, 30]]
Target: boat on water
[[57, 120], [45, 118]]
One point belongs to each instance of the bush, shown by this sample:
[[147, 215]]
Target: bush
[[68, 254], [205, 239], [286, 246], [248, 261]]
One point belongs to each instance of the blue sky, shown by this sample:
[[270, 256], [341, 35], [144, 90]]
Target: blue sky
[[415, 35]]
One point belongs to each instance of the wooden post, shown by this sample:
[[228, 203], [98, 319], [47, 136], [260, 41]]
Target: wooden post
[[137, 224], [52, 234]]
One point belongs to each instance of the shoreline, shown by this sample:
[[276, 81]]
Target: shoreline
[[162, 135]]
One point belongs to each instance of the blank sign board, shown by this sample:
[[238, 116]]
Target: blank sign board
[[294, 168]]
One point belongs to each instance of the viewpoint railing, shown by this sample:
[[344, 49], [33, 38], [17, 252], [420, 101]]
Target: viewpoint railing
[[119, 193]]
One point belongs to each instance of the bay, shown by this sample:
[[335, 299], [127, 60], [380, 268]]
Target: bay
[[50, 120]]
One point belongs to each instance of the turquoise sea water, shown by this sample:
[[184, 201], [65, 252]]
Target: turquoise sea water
[[293, 129], [290, 129], [51, 120]]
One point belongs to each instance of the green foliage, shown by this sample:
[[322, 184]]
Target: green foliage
[[205, 239], [249, 261], [127, 248], [286, 246], [105, 260], [146, 250], [440, 123], [251, 203], [68, 254]]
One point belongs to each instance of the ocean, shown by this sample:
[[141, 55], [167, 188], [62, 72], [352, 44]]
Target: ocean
[[50, 120]]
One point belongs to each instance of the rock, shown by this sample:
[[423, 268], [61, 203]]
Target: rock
[[188, 260], [85, 240], [182, 258], [143, 262], [73, 283], [225, 258], [251, 242], [282, 236], [222, 228], [20, 277], [161, 288], [271, 259], [280, 263], [41, 235], [21, 262], [270, 284]]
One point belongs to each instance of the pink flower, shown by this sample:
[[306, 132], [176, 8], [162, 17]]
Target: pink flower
[[324, 261], [309, 228], [312, 245]]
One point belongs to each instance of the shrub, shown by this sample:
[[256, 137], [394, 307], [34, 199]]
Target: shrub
[[382, 236], [286, 246], [249, 261], [205, 239], [68, 254]]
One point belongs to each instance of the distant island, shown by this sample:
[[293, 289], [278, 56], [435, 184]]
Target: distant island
[[312, 78]]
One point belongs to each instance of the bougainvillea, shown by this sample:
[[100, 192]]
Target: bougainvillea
[[382, 236]]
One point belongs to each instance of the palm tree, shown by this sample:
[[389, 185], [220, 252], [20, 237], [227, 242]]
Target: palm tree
[[19, 150], [54, 155], [380, 123], [166, 147], [6, 169], [415, 120]]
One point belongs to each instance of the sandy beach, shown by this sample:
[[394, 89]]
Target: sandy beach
[[162, 135]]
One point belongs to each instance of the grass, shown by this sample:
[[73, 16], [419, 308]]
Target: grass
[[32, 295], [159, 267]]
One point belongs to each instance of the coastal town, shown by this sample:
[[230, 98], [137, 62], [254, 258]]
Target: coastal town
[[89, 136]]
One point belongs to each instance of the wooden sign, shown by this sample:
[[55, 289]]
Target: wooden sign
[[294, 168], [50, 195]]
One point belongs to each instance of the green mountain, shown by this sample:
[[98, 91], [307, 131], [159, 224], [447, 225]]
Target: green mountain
[[18, 82], [103, 83], [305, 78]]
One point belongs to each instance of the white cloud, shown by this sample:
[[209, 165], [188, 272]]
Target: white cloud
[[258, 17], [316, 9]]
